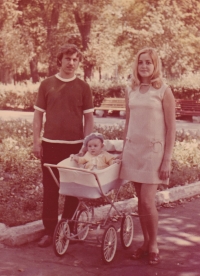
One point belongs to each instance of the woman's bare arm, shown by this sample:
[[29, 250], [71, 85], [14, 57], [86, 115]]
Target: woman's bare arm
[[170, 122]]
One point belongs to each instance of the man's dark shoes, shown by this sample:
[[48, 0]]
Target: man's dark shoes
[[45, 241], [139, 253]]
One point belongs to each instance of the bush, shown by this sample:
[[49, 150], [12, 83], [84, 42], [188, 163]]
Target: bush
[[185, 163], [186, 87], [20, 96], [23, 96]]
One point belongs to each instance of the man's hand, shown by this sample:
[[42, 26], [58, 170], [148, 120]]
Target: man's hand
[[74, 157], [82, 151], [37, 150]]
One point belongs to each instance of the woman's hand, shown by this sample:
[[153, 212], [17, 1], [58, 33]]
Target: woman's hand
[[119, 156], [164, 171], [117, 160]]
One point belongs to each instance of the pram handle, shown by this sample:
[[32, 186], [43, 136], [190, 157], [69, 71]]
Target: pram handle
[[49, 166], [71, 168]]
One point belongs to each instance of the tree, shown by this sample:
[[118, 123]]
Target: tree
[[168, 26], [85, 13], [108, 32], [12, 56]]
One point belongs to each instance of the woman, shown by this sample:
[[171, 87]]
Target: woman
[[149, 140]]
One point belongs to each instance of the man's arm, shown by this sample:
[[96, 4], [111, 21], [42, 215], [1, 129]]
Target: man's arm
[[88, 128], [37, 127], [88, 123]]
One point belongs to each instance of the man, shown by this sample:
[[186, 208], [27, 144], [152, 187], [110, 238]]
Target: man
[[66, 100]]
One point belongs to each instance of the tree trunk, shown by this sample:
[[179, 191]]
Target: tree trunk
[[51, 27], [87, 71], [51, 35], [84, 26], [6, 76], [100, 76], [34, 70]]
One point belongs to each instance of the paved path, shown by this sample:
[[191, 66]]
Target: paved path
[[179, 243], [109, 120]]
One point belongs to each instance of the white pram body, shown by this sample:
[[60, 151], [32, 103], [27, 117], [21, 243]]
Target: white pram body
[[87, 184], [79, 182]]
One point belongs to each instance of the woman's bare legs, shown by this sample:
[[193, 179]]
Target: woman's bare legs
[[148, 215], [145, 245]]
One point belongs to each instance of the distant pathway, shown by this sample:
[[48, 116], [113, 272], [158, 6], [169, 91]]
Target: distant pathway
[[7, 115]]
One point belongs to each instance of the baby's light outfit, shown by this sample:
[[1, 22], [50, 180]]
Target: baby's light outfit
[[99, 162]]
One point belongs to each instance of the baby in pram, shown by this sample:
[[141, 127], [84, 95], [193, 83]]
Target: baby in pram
[[95, 157]]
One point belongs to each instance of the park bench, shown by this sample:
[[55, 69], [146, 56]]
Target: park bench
[[184, 108], [112, 104], [187, 108]]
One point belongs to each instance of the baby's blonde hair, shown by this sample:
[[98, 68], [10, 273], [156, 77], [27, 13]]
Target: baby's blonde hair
[[156, 78]]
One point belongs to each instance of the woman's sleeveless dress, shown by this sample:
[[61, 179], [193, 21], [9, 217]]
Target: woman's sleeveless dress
[[145, 141]]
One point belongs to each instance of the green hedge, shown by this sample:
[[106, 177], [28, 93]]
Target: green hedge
[[186, 87], [23, 96]]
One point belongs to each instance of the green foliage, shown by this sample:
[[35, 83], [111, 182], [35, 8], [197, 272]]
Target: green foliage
[[186, 87], [20, 174], [18, 165], [109, 33], [185, 163], [23, 96], [20, 131], [113, 132], [20, 96]]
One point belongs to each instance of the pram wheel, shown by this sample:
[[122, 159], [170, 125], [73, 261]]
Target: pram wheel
[[61, 237], [82, 226], [109, 244], [126, 232]]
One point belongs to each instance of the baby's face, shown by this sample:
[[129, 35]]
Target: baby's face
[[94, 146]]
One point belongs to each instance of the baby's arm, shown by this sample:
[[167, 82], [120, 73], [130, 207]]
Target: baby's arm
[[79, 160], [111, 159], [74, 157]]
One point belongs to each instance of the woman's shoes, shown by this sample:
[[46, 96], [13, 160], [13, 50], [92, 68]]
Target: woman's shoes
[[154, 258], [139, 254]]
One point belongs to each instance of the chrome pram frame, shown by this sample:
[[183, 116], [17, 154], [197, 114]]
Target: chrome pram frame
[[85, 184]]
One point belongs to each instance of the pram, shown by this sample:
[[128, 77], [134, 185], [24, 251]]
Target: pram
[[85, 184]]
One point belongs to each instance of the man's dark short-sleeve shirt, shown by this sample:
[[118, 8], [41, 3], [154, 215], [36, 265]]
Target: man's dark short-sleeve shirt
[[64, 102]]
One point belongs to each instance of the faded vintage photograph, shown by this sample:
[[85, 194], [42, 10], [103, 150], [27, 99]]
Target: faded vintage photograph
[[99, 137]]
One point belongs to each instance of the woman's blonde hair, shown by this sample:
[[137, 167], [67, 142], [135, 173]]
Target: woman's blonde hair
[[156, 78]]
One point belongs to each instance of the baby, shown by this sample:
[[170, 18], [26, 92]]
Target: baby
[[95, 157]]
